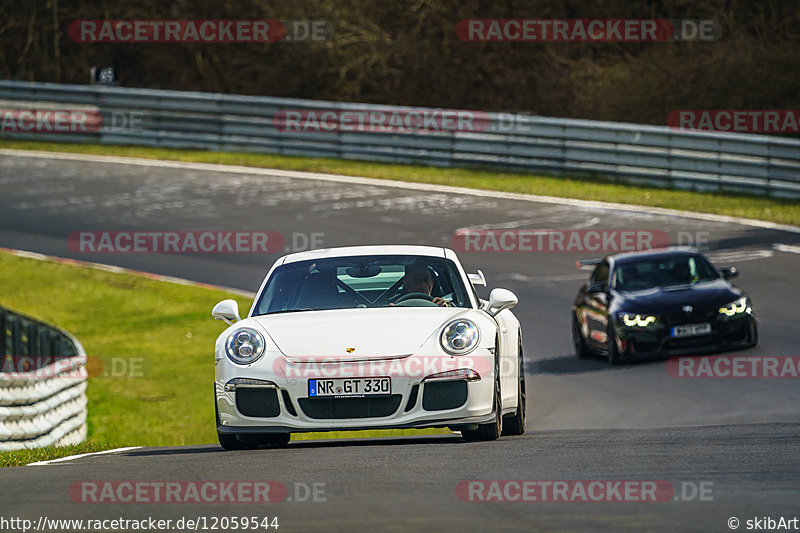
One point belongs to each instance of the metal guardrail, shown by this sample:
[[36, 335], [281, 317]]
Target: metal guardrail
[[640, 154], [42, 384]]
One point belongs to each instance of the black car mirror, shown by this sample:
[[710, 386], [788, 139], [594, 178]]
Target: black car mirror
[[595, 288], [729, 273]]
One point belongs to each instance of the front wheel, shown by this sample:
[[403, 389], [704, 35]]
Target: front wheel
[[578, 341], [753, 335], [250, 441], [611, 342], [229, 441], [275, 439], [515, 424], [232, 442], [492, 430]]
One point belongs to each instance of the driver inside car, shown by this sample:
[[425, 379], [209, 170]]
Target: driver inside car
[[419, 279]]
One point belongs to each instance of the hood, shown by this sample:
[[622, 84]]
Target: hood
[[374, 333], [702, 296]]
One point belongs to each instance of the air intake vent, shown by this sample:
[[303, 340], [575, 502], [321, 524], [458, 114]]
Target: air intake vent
[[412, 398], [441, 395], [258, 402], [350, 407]]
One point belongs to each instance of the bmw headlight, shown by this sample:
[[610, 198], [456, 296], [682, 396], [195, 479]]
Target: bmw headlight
[[460, 337], [641, 321], [742, 305], [244, 346]]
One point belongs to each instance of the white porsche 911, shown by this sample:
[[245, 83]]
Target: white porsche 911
[[369, 337]]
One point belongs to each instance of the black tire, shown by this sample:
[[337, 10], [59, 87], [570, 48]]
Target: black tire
[[230, 441], [515, 424], [275, 439], [754, 334], [491, 430], [251, 441], [614, 357], [581, 350]]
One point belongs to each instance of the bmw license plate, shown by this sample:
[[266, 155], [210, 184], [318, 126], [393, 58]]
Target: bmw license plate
[[349, 388], [691, 330]]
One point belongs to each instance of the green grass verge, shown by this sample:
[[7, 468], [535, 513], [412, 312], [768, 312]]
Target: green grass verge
[[23, 457], [740, 205], [151, 353]]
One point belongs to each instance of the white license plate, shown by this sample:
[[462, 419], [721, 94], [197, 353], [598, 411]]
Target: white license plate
[[349, 387], [690, 330]]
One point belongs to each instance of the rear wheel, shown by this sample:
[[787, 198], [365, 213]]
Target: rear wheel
[[515, 424]]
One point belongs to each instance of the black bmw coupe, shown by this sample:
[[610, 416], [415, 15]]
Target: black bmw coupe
[[667, 302]]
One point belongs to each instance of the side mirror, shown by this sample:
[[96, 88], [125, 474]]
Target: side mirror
[[227, 310], [596, 288], [729, 273], [500, 299]]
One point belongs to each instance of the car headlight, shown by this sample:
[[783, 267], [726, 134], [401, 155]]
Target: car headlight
[[742, 305], [460, 337], [244, 346], [642, 321]]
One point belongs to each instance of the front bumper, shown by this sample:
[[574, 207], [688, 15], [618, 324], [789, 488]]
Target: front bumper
[[280, 403], [726, 334]]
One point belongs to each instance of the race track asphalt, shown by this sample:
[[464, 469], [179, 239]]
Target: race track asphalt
[[586, 420]]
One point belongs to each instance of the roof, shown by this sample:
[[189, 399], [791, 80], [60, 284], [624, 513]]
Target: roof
[[392, 249], [653, 254]]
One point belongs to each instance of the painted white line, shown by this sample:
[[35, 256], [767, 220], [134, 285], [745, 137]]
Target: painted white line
[[786, 248], [516, 276], [526, 222], [500, 225], [121, 270], [738, 256], [73, 457], [235, 169], [27, 254], [586, 223], [108, 268]]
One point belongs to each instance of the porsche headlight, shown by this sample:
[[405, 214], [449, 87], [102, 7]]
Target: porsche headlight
[[244, 346], [742, 305], [460, 337], [641, 321]]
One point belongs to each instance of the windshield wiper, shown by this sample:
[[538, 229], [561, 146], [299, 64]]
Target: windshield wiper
[[287, 311]]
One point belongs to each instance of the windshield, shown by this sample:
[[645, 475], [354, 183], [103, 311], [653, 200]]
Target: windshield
[[362, 282], [663, 272]]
